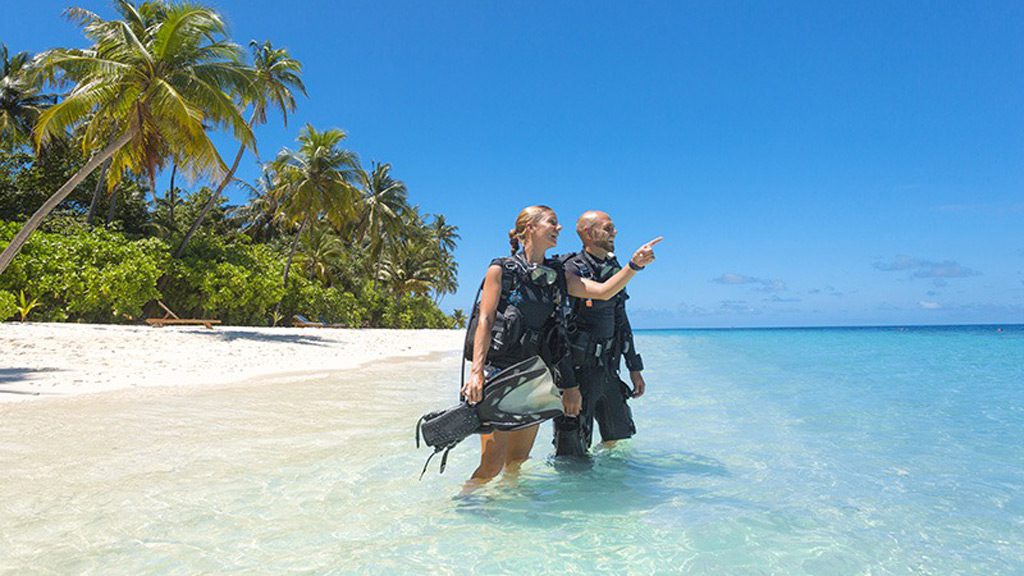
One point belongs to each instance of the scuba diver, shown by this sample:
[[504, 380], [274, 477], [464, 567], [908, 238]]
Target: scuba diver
[[522, 313], [600, 336]]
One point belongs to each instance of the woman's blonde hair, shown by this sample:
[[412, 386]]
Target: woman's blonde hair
[[527, 216]]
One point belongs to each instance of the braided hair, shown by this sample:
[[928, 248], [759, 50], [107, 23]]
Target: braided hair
[[527, 216]]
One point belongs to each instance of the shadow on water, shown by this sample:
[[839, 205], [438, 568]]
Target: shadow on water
[[231, 335], [609, 483], [664, 462]]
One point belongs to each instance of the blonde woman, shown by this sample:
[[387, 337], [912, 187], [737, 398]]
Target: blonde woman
[[531, 292]]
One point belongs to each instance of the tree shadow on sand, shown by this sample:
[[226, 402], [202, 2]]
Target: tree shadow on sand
[[10, 378], [229, 335]]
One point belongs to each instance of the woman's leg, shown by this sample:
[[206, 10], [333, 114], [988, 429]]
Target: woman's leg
[[517, 450], [493, 448]]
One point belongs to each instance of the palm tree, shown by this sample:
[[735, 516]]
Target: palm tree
[[275, 75], [20, 100], [410, 269], [261, 215], [458, 319], [445, 234], [384, 202], [321, 252], [148, 88], [315, 182], [446, 280]]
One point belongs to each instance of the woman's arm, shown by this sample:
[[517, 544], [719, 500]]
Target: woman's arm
[[473, 390], [583, 288]]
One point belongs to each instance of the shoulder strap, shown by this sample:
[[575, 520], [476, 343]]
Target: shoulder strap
[[508, 278], [563, 259]]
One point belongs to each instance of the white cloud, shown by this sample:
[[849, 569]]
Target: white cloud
[[927, 268], [767, 284], [929, 305]]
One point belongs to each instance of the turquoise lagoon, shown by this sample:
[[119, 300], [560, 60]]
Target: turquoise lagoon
[[791, 451]]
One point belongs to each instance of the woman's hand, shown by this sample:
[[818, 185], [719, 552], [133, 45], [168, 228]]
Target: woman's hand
[[644, 255], [572, 401], [473, 389]]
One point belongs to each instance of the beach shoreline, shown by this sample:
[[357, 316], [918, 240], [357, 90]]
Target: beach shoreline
[[52, 360]]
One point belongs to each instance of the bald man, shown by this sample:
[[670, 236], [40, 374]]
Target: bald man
[[601, 336]]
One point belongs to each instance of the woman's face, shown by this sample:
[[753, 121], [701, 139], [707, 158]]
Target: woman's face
[[544, 232]]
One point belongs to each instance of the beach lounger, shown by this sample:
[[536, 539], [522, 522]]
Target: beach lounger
[[172, 319], [300, 321]]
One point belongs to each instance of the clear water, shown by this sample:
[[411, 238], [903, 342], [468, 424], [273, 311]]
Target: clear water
[[819, 451]]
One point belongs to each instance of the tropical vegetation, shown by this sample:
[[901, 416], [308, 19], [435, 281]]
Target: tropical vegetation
[[86, 134]]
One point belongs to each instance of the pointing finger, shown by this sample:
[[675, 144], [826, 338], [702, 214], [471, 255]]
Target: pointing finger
[[655, 241]]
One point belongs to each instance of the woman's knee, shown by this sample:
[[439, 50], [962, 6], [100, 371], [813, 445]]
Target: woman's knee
[[486, 471]]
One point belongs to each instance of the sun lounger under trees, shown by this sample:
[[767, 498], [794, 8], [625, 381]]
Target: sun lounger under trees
[[171, 319]]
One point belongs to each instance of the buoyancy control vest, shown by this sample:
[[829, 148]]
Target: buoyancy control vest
[[530, 319], [599, 330]]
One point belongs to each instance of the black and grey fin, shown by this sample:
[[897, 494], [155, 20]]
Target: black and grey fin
[[519, 396]]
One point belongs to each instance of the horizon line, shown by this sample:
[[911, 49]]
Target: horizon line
[[835, 326]]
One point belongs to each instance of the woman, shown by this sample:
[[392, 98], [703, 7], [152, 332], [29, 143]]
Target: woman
[[533, 288]]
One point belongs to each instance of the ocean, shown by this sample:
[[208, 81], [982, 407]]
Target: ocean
[[831, 451]]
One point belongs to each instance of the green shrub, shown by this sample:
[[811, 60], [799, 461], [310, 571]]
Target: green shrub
[[413, 312], [320, 303], [236, 282], [94, 274], [8, 305], [85, 274]]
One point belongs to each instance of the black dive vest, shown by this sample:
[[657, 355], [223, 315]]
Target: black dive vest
[[530, 320], [599, 329]]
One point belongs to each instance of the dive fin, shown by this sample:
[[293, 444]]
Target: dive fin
[[521, 395], [448, 427]]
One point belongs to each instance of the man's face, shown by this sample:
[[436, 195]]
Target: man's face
[[602, 234]]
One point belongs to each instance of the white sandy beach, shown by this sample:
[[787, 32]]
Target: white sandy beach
[[40, 360]]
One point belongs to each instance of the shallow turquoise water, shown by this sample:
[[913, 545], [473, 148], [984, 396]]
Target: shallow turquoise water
[[819, 451]]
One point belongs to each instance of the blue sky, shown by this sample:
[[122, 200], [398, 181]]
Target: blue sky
[[809, 163]]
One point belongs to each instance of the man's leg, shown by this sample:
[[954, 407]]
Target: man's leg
[[613, 415], [573, 435]]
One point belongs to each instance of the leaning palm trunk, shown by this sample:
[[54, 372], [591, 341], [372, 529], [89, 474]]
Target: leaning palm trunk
[[291, 255], [112, 210], [171, 197], [214, 198], [288, 263], [36, 220], [96, 193], [376, 273]]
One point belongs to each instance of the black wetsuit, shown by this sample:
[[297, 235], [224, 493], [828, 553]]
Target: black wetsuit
[[600, 336], [533, 316]]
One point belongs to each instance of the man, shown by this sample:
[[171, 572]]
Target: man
[[600, 336]]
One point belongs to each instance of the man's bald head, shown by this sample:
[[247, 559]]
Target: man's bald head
[[588, 220], [596, 231]]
